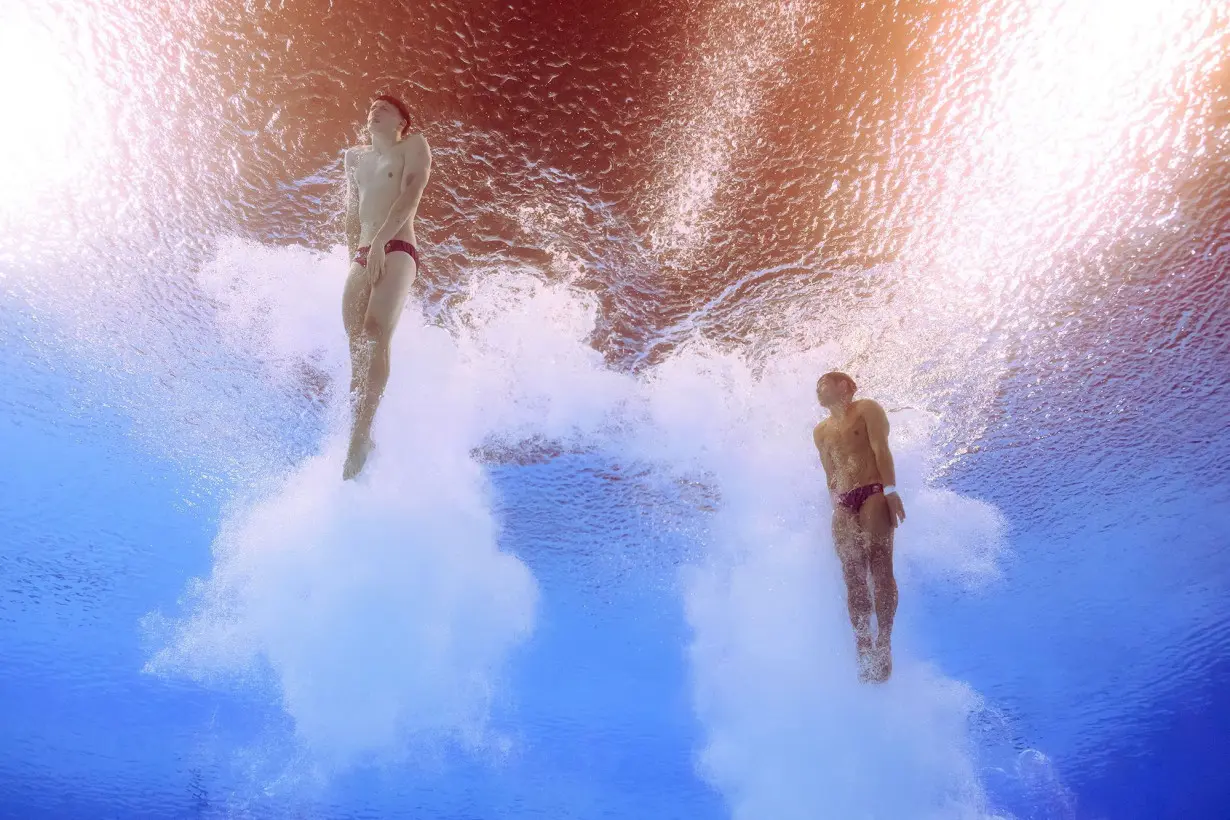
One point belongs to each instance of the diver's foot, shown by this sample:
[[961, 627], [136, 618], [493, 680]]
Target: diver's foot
[[882, 663], [866, 666], [355, 459]]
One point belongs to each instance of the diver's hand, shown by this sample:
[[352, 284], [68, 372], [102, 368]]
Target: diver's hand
[[895, 508], [375, 261]]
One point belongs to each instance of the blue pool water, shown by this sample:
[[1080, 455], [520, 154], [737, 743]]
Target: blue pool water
[[587, 574]]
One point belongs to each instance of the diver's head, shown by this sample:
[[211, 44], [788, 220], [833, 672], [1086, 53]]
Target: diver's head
[[389, 117], [835, 388]]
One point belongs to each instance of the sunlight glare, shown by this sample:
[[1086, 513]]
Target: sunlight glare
[[1079, 95], [39, 150]]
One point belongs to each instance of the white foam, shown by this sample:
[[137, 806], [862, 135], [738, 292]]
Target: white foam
[[386, 610], [384, 607], [789, 730], [282, 303]]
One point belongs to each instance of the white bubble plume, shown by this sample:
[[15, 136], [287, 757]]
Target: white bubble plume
[[386, 609]]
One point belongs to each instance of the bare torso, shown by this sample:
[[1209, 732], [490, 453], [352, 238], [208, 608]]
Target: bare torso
[[845, 450], [385, 183], [853, 447], [379, 178]]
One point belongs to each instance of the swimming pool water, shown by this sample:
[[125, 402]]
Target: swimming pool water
[[588, 574]]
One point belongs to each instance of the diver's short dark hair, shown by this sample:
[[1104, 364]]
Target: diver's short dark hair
[[401, 109], [837, 374]]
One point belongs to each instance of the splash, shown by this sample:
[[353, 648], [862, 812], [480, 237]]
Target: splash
[[385, 609], [789, 730]]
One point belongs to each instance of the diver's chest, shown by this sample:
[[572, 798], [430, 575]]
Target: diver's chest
[[380, 171], [848, 437]]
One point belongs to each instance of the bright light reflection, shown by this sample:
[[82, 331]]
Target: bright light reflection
[[1088, 73], [1077, 96], [38, 100]]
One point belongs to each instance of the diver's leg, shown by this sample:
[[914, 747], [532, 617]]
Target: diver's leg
[[875, 519], [384, 308], [849, 541]]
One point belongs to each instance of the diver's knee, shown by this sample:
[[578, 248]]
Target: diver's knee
[[854, 573], [881, 564], [375, 332]]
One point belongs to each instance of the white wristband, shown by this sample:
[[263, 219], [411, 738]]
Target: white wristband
[[890, 489]]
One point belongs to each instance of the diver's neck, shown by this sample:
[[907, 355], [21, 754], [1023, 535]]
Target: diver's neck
[[383, 143], [839, 410]]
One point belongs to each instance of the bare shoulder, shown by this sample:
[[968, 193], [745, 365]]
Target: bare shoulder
[[416, 149], [819, 431], [867, 407], [353, 156], [872, 414]]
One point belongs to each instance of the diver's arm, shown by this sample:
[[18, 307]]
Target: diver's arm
[[825, 461], [877, 436], [353, 229], [415, 173]]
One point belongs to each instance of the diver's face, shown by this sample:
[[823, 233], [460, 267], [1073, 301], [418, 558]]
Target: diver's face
[[830, 391], [383, 118]]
